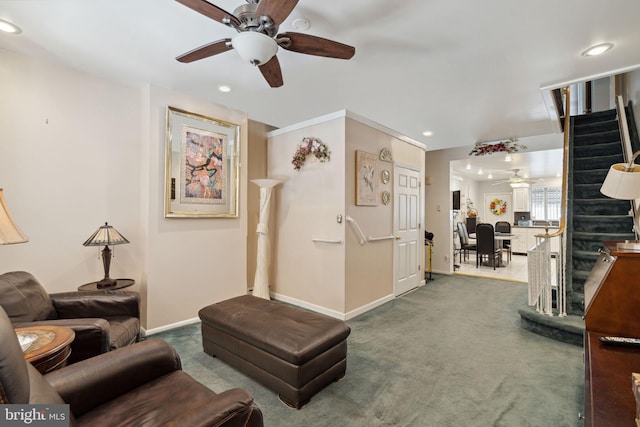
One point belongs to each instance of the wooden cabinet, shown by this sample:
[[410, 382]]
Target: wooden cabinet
[[611, 300], [521, 201]]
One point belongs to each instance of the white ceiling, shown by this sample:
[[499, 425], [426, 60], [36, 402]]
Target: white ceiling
[[467, 70]]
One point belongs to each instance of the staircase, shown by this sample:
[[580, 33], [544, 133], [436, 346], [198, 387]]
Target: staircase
[[595, 145]]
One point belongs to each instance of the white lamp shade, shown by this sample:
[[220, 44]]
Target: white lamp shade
[[9, 231], [254, 47], [621, 183]]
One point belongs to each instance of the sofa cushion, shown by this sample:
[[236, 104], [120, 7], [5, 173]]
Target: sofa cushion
[[23, 298]]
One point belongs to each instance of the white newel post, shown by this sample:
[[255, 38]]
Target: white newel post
[[261, 281]]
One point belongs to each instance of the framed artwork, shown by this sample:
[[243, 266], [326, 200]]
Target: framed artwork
[[366, 182], [201, 166]]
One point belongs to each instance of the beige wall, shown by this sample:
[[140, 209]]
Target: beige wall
[[69, 161], [76, 151], [306, 206], [188, 262], [370, 273], [339, 279]]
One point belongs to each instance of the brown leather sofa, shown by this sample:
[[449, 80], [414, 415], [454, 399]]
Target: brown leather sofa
[[102, 321], [140, 385]]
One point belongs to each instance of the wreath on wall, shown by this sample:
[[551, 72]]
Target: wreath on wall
[[311, 146], [498, 207]]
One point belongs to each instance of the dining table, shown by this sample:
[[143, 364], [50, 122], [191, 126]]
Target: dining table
[[499, 237]]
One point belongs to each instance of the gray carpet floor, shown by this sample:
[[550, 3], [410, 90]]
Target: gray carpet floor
[[451, 353]]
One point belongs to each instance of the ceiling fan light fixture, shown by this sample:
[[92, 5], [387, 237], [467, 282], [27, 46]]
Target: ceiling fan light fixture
[[519, 185], [254, 47]]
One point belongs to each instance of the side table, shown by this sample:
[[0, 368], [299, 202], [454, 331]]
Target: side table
[[51, 347], [120, 284]]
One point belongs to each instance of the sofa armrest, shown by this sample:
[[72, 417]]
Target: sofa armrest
[[92, 382], [234, 407], [96, 304]]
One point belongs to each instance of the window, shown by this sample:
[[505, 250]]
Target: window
[[546, 203]]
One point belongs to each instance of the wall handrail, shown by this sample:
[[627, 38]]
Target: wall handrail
[[377, 239], [358, 230], [323, 240]]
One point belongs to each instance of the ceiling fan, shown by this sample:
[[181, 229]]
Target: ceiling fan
[[257, 40], [516, 180]]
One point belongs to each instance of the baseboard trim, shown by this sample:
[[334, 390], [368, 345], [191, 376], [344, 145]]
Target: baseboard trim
[[333, 313], [369, 307], [147, 332]]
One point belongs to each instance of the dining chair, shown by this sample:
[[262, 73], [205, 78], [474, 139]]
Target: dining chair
[[486, 245], [465, 244], [505, 227]]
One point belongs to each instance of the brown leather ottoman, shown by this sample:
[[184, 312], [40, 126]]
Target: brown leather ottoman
[[294, 352]]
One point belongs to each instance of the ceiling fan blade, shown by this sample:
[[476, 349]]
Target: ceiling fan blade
[[313, 45], [206, 51], [209, 10], [272, 72], [277, 10]]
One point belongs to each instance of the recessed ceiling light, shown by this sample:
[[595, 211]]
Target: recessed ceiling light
[[468, 167], [8, 27], [480, 172], [490, 176], [427, 133], [301, 24], [598, 49], [507, 158], [224, 88]]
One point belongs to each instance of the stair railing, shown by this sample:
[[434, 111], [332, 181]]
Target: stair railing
[[539, 257], [627, 151]]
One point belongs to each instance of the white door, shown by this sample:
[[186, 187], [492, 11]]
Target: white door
[[408, 247]]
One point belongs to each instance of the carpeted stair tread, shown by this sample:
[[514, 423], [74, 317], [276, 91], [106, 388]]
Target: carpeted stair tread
[[598, 116], [599, 237], [591, 162], [598, 149], [595, 138], [590, 176], [595, 127], [586, 254], [569, 329]]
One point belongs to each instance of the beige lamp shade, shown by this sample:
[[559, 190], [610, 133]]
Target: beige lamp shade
[[104, 236], [9, 231], [622, 182]]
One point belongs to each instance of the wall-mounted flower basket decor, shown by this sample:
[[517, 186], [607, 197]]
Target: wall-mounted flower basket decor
[[510, 146], [310, 146]]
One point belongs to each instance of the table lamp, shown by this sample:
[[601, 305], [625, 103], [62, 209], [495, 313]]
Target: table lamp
[[9, 231], [623, 183], [106, 235]]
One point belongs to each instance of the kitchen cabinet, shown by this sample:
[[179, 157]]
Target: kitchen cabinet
[[526, 239], [521, 201]]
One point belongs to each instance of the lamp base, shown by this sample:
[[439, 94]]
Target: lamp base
[[629, 245], [106, 283]]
